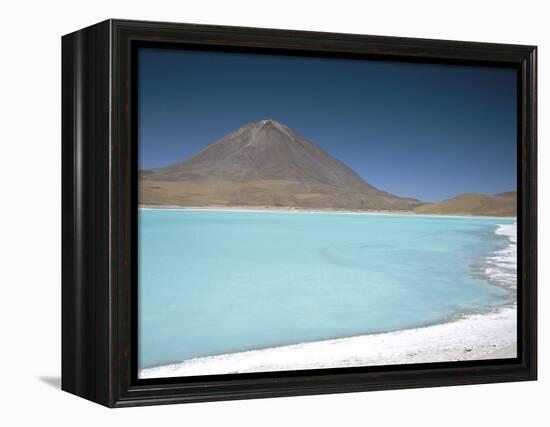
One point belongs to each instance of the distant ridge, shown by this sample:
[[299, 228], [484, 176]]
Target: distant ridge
[[502, 204], [264, 164]]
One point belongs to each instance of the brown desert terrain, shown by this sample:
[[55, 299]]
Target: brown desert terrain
[[502, 204], [264, 164]]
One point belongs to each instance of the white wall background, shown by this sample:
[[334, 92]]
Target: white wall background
[[30, 211]]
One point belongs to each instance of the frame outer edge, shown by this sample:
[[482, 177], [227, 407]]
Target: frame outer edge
[[85, 214], [532, 209], [69, 301]]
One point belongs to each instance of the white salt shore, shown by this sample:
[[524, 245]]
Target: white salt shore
[[275, 209], [474, 337]]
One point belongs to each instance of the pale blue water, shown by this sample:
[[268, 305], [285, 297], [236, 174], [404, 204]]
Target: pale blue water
[[220, 282]]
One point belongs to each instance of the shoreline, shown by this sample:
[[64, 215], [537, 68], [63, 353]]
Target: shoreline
[[276, 209], [492, 335]]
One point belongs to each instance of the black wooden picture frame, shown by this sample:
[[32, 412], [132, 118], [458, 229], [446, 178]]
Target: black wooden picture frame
[[99, 200]]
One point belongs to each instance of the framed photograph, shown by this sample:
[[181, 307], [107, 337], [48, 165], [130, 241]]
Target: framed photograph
[[258, 213]]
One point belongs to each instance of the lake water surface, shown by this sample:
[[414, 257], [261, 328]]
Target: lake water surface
[[215, 282]]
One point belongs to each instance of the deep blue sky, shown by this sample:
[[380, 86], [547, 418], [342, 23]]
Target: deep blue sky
[[420, 130]]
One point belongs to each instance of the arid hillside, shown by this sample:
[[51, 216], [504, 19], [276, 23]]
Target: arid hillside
[[502, 204], [264, 164]]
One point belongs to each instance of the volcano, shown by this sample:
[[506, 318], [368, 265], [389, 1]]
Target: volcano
[[264, 164]]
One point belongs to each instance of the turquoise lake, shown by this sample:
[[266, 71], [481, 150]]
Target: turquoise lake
[[214, 282]]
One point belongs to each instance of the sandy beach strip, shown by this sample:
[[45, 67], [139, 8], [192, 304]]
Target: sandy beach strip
[[275, 209], [270, 209], [491, 335]]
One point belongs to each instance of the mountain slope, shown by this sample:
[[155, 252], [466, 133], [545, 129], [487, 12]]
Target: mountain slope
[[264, 164], [503, 204]]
